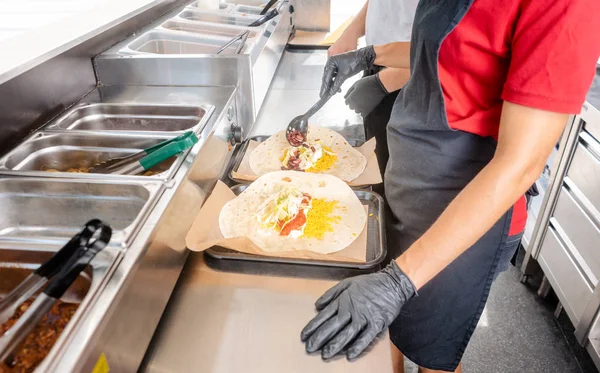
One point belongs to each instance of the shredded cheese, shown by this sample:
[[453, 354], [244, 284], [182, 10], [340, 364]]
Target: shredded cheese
[[319, 219], [324, 163], [284, 156]]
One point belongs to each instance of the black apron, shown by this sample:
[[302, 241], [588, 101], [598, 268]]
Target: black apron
[[429, 165], [376, 127]]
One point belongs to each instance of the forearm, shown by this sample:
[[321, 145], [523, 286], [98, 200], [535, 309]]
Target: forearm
[[472, 213], [393, 55], [527, 136], [394, 78], [357, 27]]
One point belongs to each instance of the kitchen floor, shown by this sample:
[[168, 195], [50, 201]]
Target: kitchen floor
[[519, 333]]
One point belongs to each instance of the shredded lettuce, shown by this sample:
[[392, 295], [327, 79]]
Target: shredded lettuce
[[281, 206]]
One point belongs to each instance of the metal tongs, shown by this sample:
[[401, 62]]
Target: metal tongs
[[297, 130], [265, 18], [65, 265], [267, 7], [142, 161], [242, 37]]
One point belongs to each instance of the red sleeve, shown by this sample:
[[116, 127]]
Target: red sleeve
[[555, 47]]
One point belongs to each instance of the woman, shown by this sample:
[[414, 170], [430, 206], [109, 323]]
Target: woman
[[491, 87], [373, 96]]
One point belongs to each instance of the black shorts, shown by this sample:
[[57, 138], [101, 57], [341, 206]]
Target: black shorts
[[434, 328]]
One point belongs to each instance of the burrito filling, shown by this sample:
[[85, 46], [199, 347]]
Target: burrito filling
[[295, 214], [285, 212], [310, 157]]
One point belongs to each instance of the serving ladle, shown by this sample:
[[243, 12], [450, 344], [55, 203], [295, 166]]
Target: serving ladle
[[297, 130]]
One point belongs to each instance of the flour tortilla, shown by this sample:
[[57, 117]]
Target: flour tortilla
[[238, 216], [349, 165]]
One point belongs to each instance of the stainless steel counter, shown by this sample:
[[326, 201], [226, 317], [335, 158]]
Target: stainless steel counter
[[230, 316], [222, 322]]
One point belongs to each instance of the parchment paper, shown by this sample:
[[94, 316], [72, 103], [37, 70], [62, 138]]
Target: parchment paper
[[370, 176], [205, 233]]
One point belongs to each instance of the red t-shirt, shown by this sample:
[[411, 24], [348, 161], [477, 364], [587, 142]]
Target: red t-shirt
[[536, 53]]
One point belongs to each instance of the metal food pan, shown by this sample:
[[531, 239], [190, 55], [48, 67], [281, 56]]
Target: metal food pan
[[63, 151], [240, 152], [50, 211], [226, 19], [16, 263], [247, 9], [376, 241], [201, 28], [223, 7], [174, 43], [138, 119]]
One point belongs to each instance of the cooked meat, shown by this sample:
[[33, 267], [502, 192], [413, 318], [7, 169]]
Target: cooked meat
[[295, 138], [80, 170], [41, 339], [293, 162]]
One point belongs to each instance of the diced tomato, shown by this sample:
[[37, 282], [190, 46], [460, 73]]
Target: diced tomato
[[298, 221], [306, 200]]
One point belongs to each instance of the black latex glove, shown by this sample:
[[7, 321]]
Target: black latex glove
[[366, 94], [355, 311], [343, 66]]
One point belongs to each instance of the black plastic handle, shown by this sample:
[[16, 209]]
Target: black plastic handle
[[317, 106], [272, 14], [53, 265], [87, 248], [267, 7]]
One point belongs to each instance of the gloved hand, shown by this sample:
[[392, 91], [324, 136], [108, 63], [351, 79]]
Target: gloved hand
[[355, 311], [343, 66], [366, 94]]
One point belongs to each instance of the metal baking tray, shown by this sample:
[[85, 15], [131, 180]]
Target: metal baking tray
[[238, 156], [376, 241]]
